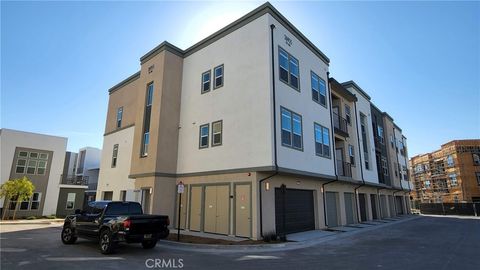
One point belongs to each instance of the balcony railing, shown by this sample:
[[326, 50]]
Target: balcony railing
[[75, 180], [344, 168], [340, 124]]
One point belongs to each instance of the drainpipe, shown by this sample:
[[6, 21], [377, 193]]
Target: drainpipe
[[333, 154], [272, 27], [361, 164]]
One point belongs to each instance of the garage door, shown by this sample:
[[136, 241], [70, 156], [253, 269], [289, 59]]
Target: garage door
[[299, 210], [391, 205], [399, 203], [373, 203], [383, 206], [350, 207], [332, 209]]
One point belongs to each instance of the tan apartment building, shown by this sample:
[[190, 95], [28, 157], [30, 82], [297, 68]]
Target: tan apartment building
[[246, 119], [450, 174]]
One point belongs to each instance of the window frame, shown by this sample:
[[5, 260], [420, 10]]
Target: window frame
[[215, 76], [34, 167], [477, 174], [453, 176], [200, 136], [348, 114], [115, 155], [119, 119], [39, 199], [476, 163], [318, 78], [24, 166], [292, 114], [146, 128], [202, 91], [322, 132], [44, 168], [351, 155], [221, 133], [289, 58], [67, 201]]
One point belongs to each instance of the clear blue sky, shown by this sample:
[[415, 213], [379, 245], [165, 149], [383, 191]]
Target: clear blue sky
[[420, 61]]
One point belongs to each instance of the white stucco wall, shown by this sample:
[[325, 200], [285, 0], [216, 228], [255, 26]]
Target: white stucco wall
[[243, 103], [363, 107], [10, 139], [301, 103], [116, 179]]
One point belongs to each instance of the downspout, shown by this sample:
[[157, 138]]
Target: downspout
[[272, 27], [361, 164], [333, 154]]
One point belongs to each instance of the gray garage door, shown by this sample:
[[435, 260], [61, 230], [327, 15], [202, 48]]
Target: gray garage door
[[299, 210], [383, 206], [332, 209], [391, 204], [350, 207], [373, 203]]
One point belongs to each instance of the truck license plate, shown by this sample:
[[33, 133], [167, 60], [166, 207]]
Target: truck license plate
[[147, 236]]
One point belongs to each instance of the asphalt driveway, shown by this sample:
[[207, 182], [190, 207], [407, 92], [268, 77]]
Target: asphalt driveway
[[422, 243]]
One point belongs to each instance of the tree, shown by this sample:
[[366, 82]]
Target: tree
[[19, 189]]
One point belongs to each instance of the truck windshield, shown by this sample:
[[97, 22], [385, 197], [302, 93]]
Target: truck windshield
[[118, 209]]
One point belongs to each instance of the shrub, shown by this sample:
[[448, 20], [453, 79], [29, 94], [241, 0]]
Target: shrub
[[270, 236]]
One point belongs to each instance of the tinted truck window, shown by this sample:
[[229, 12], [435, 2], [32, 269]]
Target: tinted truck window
[[118, 209]]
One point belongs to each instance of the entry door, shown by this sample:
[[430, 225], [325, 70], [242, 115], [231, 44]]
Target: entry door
[[383, 206], [349, 207], [363, 209], [243, 214], [183, 209], [146, 201], [216, 209], [339, 161], [332, 210], [196, 208], [373, 202]]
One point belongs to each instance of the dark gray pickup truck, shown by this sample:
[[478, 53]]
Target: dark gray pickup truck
[[110, 222]]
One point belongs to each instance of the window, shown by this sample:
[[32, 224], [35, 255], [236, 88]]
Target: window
[[41, 167], [478, 177], [453, 180], [23, 154], [37, 196], [291, 129], [450, 162], [21, 164], [123, 195], [319, 91], [70, 201], [33, 155], [322, 140], [146, 120], [351, 154], [363, 123], [380, 134], [217, 133], [43, 156], [81, 161], [289, 69], [348, 114], [427, 184], [218, 73], [392, 140], [396, 169], [206, 81], [204, 130], [476, 159], [114, 155], [32, 166], [384, 166], [119, 117], [24, 205]]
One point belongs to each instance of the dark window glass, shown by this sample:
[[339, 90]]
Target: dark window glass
[[24, 205], [121, 208], [283, 59], [286, 127], [206, 81], [218, 72], [204, 130], [217, 133]]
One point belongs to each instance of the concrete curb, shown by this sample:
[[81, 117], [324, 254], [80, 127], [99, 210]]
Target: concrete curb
[[32, 222], [211, 248]]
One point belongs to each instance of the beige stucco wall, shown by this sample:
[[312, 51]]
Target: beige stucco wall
[[125, 97]]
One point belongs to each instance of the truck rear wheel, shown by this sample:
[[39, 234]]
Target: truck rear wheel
[[107, 245], [149, 244]]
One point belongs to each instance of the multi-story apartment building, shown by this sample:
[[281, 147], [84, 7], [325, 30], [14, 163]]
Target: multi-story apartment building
[[39, 157], [250, 122], [450, 174]]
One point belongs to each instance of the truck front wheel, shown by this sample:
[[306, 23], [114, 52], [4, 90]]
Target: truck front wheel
[[68, 236], [107, 244]]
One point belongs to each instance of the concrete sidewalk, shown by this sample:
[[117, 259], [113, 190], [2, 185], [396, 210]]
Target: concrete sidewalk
[[304, 239], [39, 221]]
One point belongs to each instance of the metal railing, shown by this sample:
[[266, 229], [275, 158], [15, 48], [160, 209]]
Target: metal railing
[[340, 123], [75, 180], [344, 168]]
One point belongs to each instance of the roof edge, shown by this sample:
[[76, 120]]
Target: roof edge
[[124, 82], [355, 85]]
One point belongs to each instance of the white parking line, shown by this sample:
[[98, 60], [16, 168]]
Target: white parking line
[[77, 259], [257, 257]]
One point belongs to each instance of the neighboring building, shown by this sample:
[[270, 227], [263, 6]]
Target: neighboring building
[[79, 180], [249, 121], [450, 174], [40, 158]]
